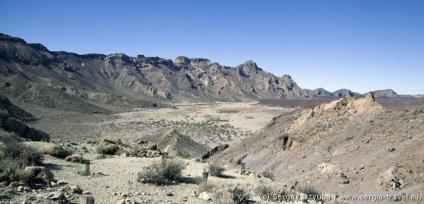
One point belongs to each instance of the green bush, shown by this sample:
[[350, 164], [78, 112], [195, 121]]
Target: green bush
[[164, 171]]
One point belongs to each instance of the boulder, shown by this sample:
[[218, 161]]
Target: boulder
[[205, 196], [38, 173]]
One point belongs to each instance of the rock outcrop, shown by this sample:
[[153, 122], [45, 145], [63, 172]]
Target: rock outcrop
[[177, 144], [22, 129]]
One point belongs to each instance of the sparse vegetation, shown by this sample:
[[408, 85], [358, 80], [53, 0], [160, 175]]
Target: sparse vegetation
[[215, 170], [75, 158], [163, 171], [268, 174], [56, 151], [14, 157], [273, 191], [240, 195], [208, 187], [310, 191], [107, 149]]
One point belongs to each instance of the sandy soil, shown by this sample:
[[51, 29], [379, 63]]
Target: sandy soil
[[209, 124]]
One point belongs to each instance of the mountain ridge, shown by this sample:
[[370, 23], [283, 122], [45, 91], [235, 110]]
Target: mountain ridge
[[120, 79]]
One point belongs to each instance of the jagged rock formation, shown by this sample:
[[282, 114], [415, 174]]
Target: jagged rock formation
[[353, 145], [32, 73]]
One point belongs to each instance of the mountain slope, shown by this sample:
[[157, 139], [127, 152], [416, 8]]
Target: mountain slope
[[352, 145], [28, 69]]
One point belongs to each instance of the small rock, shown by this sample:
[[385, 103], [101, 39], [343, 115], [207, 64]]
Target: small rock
[[76, 189], [205, 196], [194, 193], [13, 184], [61, 183], [121, 201], [86, 193], [20, 188], [391, 149], [169, 194], [57, 196], [107, 186], [39, 173]]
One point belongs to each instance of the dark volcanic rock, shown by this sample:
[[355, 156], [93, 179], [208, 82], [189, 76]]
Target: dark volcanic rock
[[214, 151]]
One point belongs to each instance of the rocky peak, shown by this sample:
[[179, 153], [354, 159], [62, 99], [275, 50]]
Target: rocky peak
[[182, 60], [248, 68], [39, 46], [200, 60], [346, 92], [370, 97], [7, 38], [386, 93], [118, 57]]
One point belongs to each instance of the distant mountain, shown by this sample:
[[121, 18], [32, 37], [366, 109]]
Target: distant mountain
[[386, 93], [320, 93], [346, 92], [57, 79], [32, 73]]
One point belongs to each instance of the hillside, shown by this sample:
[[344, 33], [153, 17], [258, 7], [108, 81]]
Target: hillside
[[345, 146], [32, 73]]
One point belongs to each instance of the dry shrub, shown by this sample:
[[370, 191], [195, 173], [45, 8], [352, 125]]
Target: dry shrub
[[215, 170], [163, 171], [268, 174], [56, 151], [14, 157], [75, 158], [208, 187], [310, 191], [38, 174], [239, 195], [108, 149], [231, 194], [275, 193]]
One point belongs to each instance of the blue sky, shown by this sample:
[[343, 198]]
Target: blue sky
[[361, 45]]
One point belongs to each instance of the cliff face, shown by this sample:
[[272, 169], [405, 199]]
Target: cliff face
[[29, 70]]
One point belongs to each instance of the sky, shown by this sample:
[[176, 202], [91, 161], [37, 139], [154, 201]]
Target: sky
[[362, 45]]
